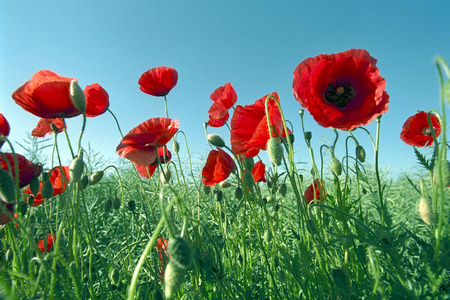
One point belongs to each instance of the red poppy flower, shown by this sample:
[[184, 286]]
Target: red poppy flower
[[249, 131], [146, 171], [342, 90], [41, 243], [4, 217], [158, 81], [58, 182], [218, 167], [44, 129], [312, 193], [224, 98], [140, 143], [4, 128], [163, 247], [259, 171], [47, 95], [97, 100], [416, 130], [26, 168]]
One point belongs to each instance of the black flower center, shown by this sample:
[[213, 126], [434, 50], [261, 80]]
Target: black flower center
[[340, 93]]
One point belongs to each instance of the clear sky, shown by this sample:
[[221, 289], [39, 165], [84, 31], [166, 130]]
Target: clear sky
[[255, 45]]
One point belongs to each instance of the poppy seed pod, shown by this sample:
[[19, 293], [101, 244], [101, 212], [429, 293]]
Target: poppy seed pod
[[275, 150], [216, 140], [360, 153], [77, 96], [47, 190], [7, 190], [336, 167], [96, 177]]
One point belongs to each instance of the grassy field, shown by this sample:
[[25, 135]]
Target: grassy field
[[357, 233]]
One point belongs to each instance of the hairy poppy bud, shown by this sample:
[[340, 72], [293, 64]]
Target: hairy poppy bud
[[283, 189], [336, 166], [238, 193], [76, 168], [165, 176], [425, 211], [96, 177], [181, 253], [275, 150], [207, 189], [107, 206], [176, 147], [116, 203], [248, 163], [248, 179], [30, 200], [84, 181], [7, 190], [77, 96], [34, 185], [308, 135], [360, 153], [216, 140], [224, 184], [47, 190], [132, 205], [291, 138], [219, 195]]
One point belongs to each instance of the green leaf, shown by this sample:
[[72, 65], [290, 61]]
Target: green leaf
[[422, 160]]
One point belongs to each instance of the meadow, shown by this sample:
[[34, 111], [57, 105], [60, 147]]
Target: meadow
[[158, 225]]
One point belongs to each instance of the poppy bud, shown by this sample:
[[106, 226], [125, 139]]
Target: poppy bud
[[23, 208], [132, 205], [77, 96], [114, 275], [360, 153], [238, 193], [248, 163], [248, 179], [181, 253], [216, 140], [207, 189], [54, 127], [336, 166], [219, 195], [76, 168], [283, 189], [176, 147], [425, 211], [47, 190], [7, 190], [96, 177], [301, 112], [30, 200], [9, 255], [116, 203], [84, 181], [224, 184], [107, 206], [291, 138], [165, 176], [34, 185], [308, 135], [275, 150]]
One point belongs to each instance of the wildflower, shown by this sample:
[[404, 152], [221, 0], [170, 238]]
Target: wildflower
[[417, 132], [41, 243], [26, 168], [163, 247], [4, 217], [224, 98], [44, 127], [342, 90], [139, 145], [47, 95], [259, 171], [4, 128], [315, 192], [249, 130], [218, 167], [97, 100], [158, 81]]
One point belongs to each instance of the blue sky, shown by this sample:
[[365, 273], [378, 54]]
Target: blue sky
[[255, 45]]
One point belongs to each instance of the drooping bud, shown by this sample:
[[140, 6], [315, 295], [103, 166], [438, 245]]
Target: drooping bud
[[275, 150], [176, 147], [7, 190], [165, 176], [207, 189], [47, 190], [107, 206], [116, 203], [34, 185], [283, 189], [132, 205], [238, 193], [248, 163], [224, 184], [360, 153], [216, 140], [181, 253], [291, 138], [96, 177], [336, 166], [248, 179], [77, 96], [76, 168], [425, 211], [219, 195], [308, 135]]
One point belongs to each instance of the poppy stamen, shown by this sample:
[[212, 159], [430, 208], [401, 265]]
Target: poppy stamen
[[427, 131], [340, 93]]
